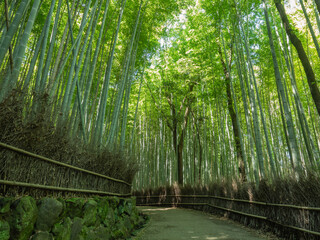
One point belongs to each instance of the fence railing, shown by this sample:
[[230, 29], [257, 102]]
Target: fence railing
[[55, 188], [238, 200], [176, 201]]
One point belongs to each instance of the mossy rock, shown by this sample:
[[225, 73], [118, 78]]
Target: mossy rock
[[128, 224], [74, 207], [120, 231], [129, 207], [120, 210], [135, 219], [95, 233], [23, 217], [123, 228], [49, 211], [102, 233], [42, 236], [4, 230], [113, 202], [62, 230], [103, 208], [111, 218], [142, 220], [90, 213], [76, 229], [5, 204], [63, 215], [83, 234]]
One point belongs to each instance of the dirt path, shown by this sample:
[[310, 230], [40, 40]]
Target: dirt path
[[175, 224]]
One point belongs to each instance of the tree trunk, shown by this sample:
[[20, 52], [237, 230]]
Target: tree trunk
[[11, 79], [233, 116], [7, 24], [302, 54], [314, 38], [286, 107], [7, 38], [180, 161], [318, 5]]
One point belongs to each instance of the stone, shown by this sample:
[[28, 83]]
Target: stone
[[119, 231], [74, 207], [122, 229], [99, 218], [110, 219], [96, 233], [113, 202], [4, 230], [128, 206], [127, 223], [90, 235], [62, 230], [42, 236], [48, 215], [103, 208], [102, 233], [5, 204], [23, 217], [76, 228], [90, 216]]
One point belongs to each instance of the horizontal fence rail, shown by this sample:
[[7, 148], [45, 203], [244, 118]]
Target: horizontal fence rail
[[231, 210], [239, 200], [54, 188], [46, 187], [60, 163]]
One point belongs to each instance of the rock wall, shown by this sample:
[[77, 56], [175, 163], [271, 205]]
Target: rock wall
[[62, 219]]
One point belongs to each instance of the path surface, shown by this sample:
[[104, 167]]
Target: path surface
[[175, 224]]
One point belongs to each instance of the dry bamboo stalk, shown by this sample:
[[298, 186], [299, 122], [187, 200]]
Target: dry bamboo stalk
[[31, 185]]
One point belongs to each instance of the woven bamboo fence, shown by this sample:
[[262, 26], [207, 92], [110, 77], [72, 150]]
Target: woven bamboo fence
[[37, 175]]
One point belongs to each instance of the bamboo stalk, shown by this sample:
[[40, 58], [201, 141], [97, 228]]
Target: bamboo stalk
[[60, 163], [7, 24], [31, 185]]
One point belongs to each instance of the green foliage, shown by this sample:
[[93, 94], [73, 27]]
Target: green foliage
[[179, 62]]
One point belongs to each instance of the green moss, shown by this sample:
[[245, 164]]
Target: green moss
[[42, 236], [90, 213], [5, 204], [49, 211], [74, 207], [4, 230], [96, 218], [62, 230], [76, 228], [23, 218], [103, 208]]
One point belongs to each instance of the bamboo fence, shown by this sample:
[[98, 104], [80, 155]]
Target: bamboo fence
[[61, 189], [197, 197]]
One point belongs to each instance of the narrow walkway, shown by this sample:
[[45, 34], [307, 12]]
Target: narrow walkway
[[175, 224]]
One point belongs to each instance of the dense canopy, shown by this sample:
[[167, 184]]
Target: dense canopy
[[197, 91]]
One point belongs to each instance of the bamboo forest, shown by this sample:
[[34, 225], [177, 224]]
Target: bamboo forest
[[193, 95]]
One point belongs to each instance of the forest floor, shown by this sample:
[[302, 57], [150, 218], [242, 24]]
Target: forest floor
[[174, 223]]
